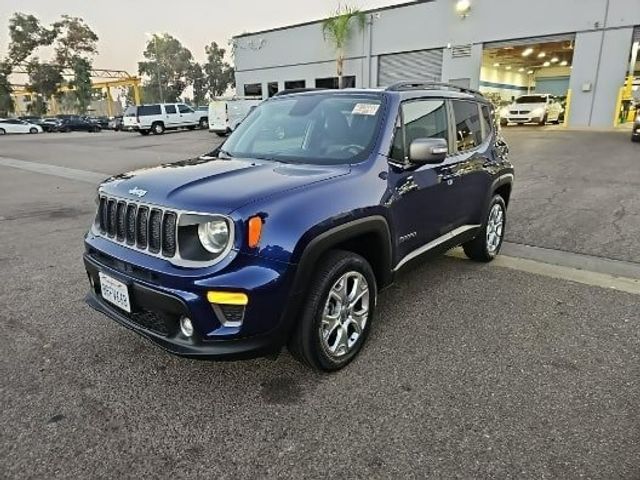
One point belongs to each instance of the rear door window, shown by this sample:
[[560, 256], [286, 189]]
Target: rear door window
[[170, 109], [468, 125], [148, 110]]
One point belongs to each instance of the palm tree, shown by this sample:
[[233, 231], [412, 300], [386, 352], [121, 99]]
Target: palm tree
[[337, 29]]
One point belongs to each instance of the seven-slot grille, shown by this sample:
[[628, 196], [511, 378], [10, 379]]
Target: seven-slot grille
[[146, 227]]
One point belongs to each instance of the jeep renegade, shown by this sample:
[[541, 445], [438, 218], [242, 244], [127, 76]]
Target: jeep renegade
[[285, 234]]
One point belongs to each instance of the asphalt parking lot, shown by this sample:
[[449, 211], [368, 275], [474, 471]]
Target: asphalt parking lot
[[527, 368]]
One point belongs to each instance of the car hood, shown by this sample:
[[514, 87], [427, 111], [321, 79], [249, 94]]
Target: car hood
[[527, 106], [212, 185]]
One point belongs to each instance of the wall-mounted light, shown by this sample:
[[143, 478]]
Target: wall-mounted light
[[463, 7], [527, 52], [542, 55]]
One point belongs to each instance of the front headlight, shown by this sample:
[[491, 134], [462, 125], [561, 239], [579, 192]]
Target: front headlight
[[214, 235]]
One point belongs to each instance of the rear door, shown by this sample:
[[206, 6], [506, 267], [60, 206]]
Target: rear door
[[187, 115], [218, 116], [171, 117], [468, 168]]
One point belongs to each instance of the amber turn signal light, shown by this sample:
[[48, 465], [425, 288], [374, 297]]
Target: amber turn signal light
[[255, 231]]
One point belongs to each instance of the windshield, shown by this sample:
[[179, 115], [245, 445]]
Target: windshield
[[532, 99], [313, 128]]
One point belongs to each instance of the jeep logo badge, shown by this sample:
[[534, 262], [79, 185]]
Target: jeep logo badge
[[138, 192]]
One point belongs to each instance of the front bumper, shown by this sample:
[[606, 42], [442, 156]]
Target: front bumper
[[523, 119], [158, 303]]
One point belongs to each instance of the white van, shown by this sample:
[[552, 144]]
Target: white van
[[158, 117], [226, 113]]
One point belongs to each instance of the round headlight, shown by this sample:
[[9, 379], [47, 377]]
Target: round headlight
[[214, 235]]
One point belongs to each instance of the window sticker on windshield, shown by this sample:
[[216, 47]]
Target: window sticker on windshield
[[365, 109]]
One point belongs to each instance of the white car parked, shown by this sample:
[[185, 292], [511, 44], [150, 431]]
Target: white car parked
[[537, 108], [13, 125], [158, 117], [225, 114]]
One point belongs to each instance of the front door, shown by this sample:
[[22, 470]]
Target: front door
[[172, 119], [421, 197]]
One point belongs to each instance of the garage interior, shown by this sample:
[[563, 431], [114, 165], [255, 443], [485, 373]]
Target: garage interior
[[526, 66]]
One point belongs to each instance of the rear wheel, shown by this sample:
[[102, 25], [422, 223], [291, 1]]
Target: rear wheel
[[3, 131], [486, 246], [204, 123], [157, 128], [338, 312], [33, 130]]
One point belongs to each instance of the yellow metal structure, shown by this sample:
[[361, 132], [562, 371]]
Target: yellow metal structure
[[625, 94], [567, 109]]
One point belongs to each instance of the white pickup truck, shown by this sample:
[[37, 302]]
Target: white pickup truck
[[158, 117]]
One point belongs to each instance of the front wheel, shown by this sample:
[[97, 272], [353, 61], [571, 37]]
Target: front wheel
[[543, 120], [204, 123], [486, 246], [33, 130], [337, 314], [3, 131]]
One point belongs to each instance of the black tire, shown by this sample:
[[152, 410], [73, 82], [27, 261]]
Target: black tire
[[191, 127], [478, 248], [204, 123], [3, 131], [33, 130], [144, 132], [157, 128], [503, 122], [221, 134], [543, 120], [305, 343]]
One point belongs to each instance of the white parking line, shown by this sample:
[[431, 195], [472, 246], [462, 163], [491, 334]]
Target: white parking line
[[64, 172], [562, 272]]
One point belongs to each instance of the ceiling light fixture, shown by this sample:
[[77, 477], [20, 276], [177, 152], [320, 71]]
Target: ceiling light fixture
[[463, 7], [564, 63], [555, 60], [530, 72], [527, 52], [521, 69], [546, 64], [542, 55], [508, 67], [496, 64]]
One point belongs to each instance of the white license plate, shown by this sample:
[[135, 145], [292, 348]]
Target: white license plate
[[115, 292]]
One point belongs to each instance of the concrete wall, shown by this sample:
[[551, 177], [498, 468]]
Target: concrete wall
[[289, 54], [507, 83]]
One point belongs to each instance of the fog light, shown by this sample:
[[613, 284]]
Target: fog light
[[186, 327]]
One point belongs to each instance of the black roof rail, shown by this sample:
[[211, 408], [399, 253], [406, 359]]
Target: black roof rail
[[427, 85]]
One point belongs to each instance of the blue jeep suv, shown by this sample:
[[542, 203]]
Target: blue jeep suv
[[285, 234]]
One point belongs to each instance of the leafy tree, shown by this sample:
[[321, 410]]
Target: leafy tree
[[167, 66], [75, 39], [338, 29], [6, 102], [219, 74], [82, 83], [199, 82], [44, 80], [26, 34]]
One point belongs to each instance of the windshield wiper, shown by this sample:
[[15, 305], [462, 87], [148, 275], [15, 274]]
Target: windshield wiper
[[226, 155]]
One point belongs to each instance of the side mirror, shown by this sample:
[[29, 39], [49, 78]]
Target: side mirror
[[428, 150]]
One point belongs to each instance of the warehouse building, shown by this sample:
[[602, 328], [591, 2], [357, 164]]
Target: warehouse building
[[585, 50]]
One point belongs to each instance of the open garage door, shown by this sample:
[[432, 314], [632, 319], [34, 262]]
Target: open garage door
[[419, 65], [528, 79]]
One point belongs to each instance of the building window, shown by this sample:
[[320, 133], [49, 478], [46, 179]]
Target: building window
[[332, 82], [253, 90], [272, 88], [294, 84]]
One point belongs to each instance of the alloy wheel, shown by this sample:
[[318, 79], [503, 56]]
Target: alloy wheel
[[345, 314], [495, 228]]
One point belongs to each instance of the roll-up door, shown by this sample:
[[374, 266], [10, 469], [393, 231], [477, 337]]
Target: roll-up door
[[565, 37], [419, 65]]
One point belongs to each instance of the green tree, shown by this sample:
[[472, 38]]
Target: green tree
[[26, 34], [167, 67], [219, 74], [75, 39], [6, 101], [44, 80], [338, 30], [82, 83], [199, 82]]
